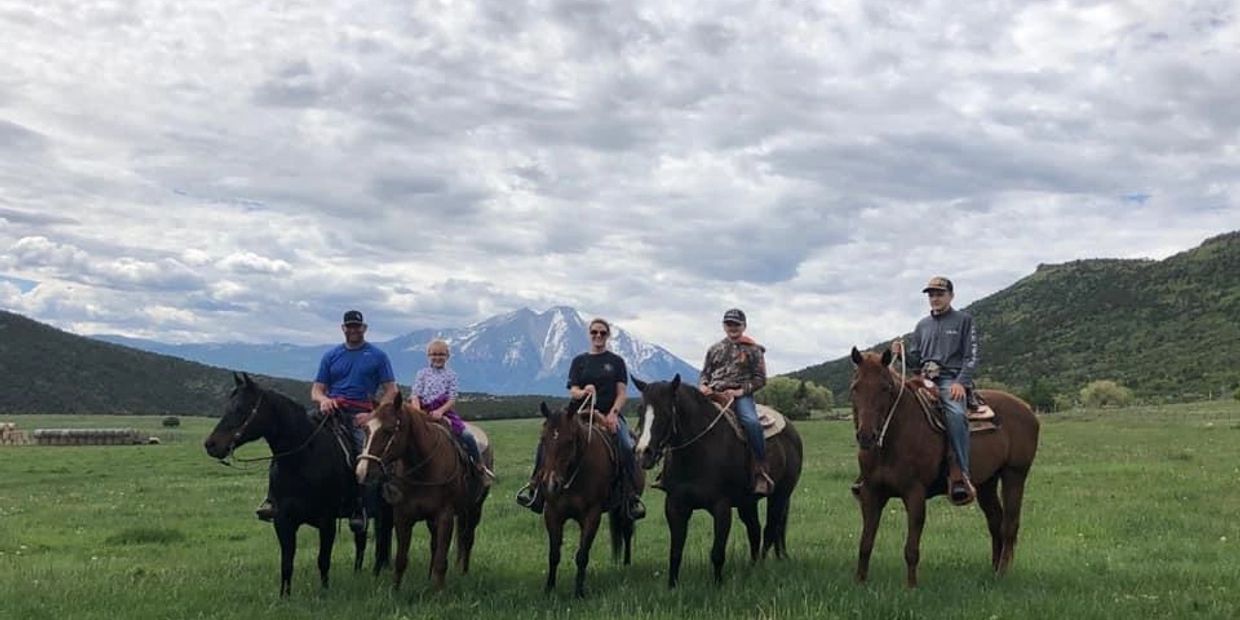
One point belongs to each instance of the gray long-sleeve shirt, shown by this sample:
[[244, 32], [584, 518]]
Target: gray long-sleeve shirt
[[949, 340]]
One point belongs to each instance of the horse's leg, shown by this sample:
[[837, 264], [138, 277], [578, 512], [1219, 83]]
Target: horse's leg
[[327, 538], [678, 526], [722, 513], [383, 537], [443, 540], [915, 506], [465, 537], [872, 505], [589, 527], [555, 540], [749, 516], [776, 523], [1013, 495], [988, 499], [403, 525], [286, 533]]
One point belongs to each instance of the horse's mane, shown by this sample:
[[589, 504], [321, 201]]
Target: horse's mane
[[277, 398]]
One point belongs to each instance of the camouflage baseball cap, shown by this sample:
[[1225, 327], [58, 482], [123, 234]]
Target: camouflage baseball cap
[[938, 283]]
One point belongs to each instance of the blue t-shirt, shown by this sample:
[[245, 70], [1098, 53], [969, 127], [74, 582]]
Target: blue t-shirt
[[355, 374]]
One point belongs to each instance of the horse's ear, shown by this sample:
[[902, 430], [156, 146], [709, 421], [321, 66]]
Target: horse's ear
[[546, 411], [675, 383], [639, 384], [886, 356], [856, 357], [237, 379], [399, 400], [246, 380]]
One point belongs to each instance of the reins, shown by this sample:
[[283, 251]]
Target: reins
[[896, 403], [676, 430], [232, 444]]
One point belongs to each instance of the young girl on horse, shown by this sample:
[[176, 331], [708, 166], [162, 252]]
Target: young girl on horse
[[435, 392]]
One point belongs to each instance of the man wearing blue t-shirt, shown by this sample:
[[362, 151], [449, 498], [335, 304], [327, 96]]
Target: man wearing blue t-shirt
[[349, 377]]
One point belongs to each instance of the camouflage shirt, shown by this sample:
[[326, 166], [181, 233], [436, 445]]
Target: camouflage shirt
[[735, 364]]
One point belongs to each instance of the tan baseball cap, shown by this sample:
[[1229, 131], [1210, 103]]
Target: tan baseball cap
[[938, 283]]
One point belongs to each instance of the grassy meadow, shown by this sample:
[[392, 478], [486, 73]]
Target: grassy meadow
[[1131, 513]]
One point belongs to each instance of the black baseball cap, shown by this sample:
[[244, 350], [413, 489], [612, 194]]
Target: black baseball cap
[[734, 315], [354, 317]]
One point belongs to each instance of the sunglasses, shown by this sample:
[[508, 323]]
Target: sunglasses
[[438, 354], [937, 293], [597, 332]]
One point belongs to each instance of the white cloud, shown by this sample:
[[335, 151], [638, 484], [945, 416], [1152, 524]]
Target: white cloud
[[246, 174]]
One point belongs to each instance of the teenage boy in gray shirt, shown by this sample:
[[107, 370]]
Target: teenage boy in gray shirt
[[944, 349]]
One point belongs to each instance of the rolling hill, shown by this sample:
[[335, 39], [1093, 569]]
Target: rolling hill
[[1168, 329]]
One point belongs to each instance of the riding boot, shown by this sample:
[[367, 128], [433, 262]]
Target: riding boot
[[357, 520], [762, 482], [529, 497], [266, 511], [633, 502], [963, 493]]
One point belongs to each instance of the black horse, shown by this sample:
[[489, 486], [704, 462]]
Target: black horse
[[312, 481], [707, 469]]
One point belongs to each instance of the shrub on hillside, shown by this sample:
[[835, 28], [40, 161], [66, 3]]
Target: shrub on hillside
[[795, 398], [171, 421], [1063, 402], [1236, 394], [1105, 393], [1040, 396]]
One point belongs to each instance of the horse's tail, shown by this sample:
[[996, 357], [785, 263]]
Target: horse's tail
[[622, 528]]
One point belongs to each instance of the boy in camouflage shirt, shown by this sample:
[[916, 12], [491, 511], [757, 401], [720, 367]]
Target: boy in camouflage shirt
[[735, 368]]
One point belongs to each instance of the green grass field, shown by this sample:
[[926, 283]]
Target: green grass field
[[1128, 514]]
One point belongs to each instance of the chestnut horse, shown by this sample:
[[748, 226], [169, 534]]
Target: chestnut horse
[[707, 468], [579, 467], [902, 455], [311, 482], [425, 478]]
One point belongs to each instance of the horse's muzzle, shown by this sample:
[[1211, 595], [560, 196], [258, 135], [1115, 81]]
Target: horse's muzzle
[[215, 448], [648, 458]]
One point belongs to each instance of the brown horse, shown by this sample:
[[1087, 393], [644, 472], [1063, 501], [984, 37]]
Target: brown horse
[[427, 479], [577, 476], [707, 469], [902, 455]]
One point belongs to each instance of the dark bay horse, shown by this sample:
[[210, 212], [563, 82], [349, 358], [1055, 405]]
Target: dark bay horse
[[707, 469], [426, 479], [578, 469], [908, 461], [312, 482]]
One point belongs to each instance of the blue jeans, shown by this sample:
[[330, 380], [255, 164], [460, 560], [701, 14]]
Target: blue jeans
[[957, 422], [747, 411], [471, 445]]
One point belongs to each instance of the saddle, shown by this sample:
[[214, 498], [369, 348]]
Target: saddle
[[772, 421], [979, 414]]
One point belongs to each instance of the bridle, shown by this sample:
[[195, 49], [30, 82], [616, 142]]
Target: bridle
[[895, 404], [228, 458], [585, 411], [675, 415], [405, 479]]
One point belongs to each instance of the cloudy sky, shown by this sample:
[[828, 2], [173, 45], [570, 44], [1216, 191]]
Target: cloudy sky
[[245, 171]]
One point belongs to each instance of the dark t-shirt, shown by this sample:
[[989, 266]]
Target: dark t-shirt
[[603, 371]]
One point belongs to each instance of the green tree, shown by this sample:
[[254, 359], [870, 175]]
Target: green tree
[[794, 398], [1236, 394], [1105, 393], [1040, 395]]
